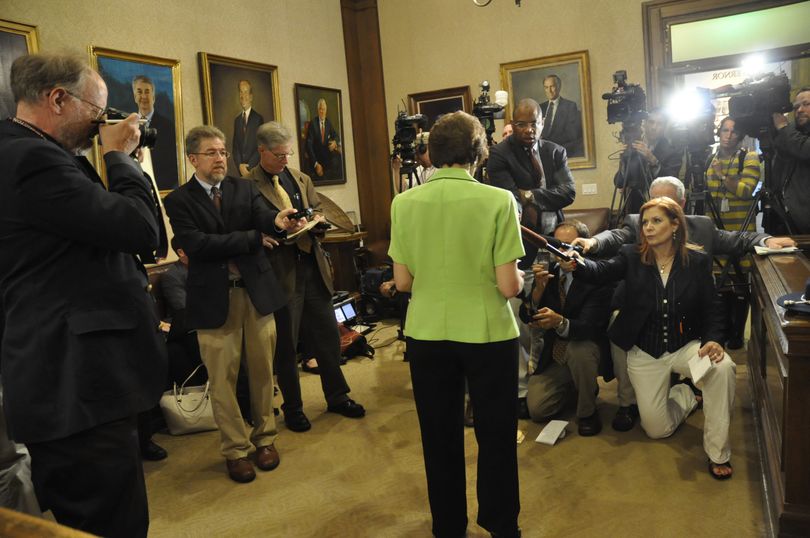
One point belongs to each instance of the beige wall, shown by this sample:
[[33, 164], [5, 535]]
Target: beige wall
[[277, 32], [433, 44]]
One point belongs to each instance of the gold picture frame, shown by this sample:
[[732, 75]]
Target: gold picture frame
[[128, 76], [525, 78], [222, 93], [16, 39]]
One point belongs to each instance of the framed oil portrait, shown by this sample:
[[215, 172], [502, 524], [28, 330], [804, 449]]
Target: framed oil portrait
[[149, 86], [319, 121], [435, 103], [16, 39], [239, 96], [562, 85]]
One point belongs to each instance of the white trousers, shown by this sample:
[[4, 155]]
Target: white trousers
[[663, 408]]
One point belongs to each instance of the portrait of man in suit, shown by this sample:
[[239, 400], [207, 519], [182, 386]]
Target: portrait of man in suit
[[323, 146], [164, 154], [562, 119], [245, 152]]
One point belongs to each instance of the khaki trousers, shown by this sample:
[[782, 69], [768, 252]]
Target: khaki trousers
[[662, 408], [221, 352]]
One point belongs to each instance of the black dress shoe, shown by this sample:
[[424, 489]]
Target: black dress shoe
[[151, 451], [310, 369], [625, 418], [297, 421], [523, 409], [349, 408], [589, 426]]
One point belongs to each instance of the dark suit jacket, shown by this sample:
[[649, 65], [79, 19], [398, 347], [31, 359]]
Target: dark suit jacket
[[285, 257], [566, 129], [211, 240], [245, 145], [633, 168], [701, 231], [81, 344], [510, 168], [587, 308], [319, 151], [694, 307], [164, 154]]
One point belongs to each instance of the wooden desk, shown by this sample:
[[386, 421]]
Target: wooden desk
[[779, 363], [340, 247]]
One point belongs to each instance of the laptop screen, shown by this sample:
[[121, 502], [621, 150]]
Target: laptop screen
[[348, 311], [345, 312]]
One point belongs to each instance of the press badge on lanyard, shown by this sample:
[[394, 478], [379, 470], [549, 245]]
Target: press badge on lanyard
[[724, 205]]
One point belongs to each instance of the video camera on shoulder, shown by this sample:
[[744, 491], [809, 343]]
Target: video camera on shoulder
[[148, 134], [753, 103]]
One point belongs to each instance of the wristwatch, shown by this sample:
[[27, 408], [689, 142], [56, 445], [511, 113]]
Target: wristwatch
[[528, 196]]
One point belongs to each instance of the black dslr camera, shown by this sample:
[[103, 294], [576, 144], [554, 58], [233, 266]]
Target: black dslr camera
[[404, 139], [148, 134], [754, 101], [627, 104]]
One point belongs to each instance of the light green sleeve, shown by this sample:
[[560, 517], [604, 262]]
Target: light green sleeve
[[397, 249], [508, 245]]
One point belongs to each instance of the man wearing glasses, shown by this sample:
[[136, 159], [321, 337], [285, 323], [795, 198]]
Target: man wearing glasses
[[164, 154], [536, 171], [231, 294], [791, 167], [81, 351], [306, 276]]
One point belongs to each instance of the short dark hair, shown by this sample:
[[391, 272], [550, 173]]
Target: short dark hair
[[34, 74], [457, 138], [142, 78], [580, 227], [526, 102], [200, 133]]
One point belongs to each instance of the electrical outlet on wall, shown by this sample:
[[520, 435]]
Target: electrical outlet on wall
[[589, 188]]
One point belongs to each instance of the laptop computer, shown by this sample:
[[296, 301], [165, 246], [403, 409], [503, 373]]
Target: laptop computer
[[346, 314]]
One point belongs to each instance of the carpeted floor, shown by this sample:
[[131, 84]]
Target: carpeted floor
[[365, 478]]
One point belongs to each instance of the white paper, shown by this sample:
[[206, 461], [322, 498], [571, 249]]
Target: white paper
[[765, 251], [553, 431], [699, 366]]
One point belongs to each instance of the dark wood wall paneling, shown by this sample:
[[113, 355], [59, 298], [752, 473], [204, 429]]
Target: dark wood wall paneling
[[361, 36]]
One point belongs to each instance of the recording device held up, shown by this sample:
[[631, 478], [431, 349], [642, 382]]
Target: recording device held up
[[485, 110], [148, 134], [404, 141]]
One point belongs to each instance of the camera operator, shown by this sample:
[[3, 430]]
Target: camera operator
[[791, 165], [424, 169], [657, 158]]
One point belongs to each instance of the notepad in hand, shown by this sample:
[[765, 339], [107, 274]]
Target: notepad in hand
[[766, 251], [698, 367]]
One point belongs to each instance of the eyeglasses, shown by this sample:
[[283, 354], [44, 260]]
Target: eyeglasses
[[214, 154], [524, 125], [283, 155], [100, 110]]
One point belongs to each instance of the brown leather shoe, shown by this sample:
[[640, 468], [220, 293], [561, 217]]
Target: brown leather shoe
[[267, 458], [240, 470]]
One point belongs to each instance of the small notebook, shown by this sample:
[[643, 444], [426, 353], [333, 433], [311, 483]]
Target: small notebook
[[307, 227], [699, 367], [765, 251]]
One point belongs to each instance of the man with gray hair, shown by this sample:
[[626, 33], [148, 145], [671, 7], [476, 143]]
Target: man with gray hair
[[701, 231], [306, 276], [164, 154], [562, 121], [231, 294], [81, 351], [323, 146]]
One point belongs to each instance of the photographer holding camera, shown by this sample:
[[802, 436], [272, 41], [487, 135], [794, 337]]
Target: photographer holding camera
[[791, 165], [657, 158]]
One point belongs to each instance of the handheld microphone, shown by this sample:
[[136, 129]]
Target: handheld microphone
[[561, 244], [539, 241]]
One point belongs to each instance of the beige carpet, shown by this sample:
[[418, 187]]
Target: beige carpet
[[365, 478]]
